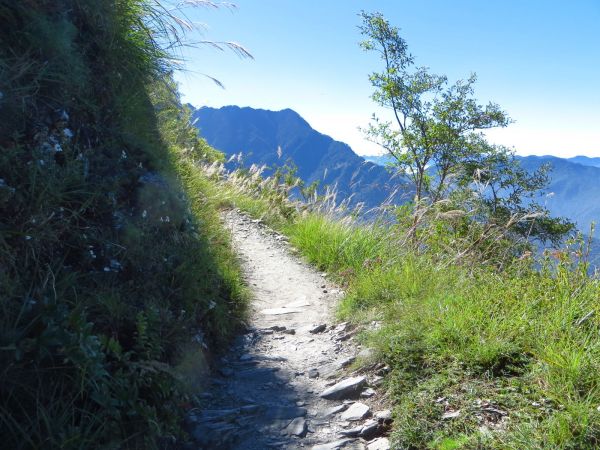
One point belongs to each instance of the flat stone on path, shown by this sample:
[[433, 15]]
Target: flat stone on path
[[384, 415], [367, 393], [334, 410], [343, 443], [348, 388], [298, 304], [297, 427], [379, 444], [352, 432], [356, 411], [370, 429]]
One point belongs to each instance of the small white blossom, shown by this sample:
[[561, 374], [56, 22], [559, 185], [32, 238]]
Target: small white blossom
[[57, 148], [145, 214], [67, 133], [107, 269], [123, 154], [27, 238]]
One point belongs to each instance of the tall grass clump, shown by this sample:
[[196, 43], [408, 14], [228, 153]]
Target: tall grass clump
[[113, 266]]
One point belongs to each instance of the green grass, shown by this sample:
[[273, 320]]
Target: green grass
[[115, 273], [466, 337]]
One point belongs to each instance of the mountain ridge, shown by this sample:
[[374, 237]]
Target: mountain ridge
[[258, 133]]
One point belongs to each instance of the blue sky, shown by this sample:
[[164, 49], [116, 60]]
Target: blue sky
[[540, 60]]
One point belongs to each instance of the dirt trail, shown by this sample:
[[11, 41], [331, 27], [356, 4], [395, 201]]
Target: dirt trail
[[267, 393]]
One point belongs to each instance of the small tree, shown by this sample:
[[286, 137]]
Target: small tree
[[434, 124], [436, 138]]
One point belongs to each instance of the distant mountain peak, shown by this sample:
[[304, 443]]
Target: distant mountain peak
[[258, 133]]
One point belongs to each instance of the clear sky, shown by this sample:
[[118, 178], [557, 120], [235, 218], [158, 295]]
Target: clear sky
[[539, 59]]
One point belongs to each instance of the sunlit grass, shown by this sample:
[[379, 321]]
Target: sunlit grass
[[515, 351]]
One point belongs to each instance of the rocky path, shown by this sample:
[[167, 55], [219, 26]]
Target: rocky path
[[285, 383]]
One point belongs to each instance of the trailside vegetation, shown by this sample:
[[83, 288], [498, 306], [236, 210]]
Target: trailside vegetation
[[481, 355], [115, 273], [490, 342]]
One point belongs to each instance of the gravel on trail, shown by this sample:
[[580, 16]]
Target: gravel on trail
[[268, 389]]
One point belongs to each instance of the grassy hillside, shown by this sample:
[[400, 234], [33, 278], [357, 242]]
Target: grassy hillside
[[481, 355], [115, 274]]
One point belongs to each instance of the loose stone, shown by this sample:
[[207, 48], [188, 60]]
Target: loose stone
[[357, 411], [334, 410], [297, 427], [370, 429], [350, 387], [367, 393], [343, 443], [384, 416], [379, 444], [318, 329], [352, 432]]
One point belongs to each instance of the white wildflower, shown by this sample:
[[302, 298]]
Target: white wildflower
[[28, 238], [67, 133], [107, 269], [57, 148], [144, 214], [123, 154]]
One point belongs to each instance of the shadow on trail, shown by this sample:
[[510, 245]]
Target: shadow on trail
[[252, 400]]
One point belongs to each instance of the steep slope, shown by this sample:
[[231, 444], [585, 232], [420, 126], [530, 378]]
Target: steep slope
[[575, 189], [115, 272], [259, 133]]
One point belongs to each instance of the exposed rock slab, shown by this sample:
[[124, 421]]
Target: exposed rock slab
[[348, 388], [379, 444], [356, 411]]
